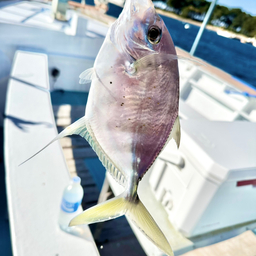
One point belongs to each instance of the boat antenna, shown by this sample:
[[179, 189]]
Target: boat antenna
[[201, 30]]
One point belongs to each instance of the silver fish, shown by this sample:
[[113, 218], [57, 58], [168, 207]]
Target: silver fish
[[132, 111]]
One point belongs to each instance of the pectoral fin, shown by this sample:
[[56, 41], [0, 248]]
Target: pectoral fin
[[87, 76], [154, 60]]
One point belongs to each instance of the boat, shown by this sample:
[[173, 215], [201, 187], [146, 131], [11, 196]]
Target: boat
[[186, 26], [224, 33], [211, 101]]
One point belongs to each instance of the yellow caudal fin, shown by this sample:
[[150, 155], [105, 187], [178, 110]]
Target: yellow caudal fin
[[145, 222], [136, 211], [108, 210]]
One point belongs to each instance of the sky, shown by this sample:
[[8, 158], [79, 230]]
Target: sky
[[248, 6]]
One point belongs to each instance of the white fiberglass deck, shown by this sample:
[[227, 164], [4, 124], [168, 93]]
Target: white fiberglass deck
[[36, 14], [34, 190], [70, 54], [213, 94]]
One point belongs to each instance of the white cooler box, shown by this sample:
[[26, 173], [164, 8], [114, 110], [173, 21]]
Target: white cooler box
[[210, 182]]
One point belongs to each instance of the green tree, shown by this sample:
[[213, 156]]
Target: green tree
[[239, 18], [235, 19], [219, 11], [185, 12], [178, 4], [249, 26]]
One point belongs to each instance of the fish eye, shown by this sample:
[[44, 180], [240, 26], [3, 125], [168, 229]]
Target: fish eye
[[154, 35]]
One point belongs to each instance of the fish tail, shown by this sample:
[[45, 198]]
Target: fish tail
[[145, 222], [136, 212]]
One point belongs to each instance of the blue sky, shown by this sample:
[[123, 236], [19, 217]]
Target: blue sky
[[248, 6]]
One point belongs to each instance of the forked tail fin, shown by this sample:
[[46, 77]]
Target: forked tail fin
[[137, 212], [145, 222]]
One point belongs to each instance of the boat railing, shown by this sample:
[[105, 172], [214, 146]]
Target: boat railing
[[208, 95], [34, 189]]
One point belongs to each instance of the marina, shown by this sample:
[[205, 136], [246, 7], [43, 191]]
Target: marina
[[40, 75]]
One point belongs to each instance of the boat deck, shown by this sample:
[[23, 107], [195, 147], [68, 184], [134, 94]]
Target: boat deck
[[222, 75]]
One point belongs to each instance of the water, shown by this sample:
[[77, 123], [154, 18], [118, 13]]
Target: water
[[237, 59]]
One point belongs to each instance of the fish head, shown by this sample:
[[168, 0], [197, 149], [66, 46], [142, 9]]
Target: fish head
[[140, 31]]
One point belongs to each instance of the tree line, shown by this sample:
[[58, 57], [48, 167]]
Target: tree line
[[233, 19]]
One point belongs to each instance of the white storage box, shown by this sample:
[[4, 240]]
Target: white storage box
[[210, 182]]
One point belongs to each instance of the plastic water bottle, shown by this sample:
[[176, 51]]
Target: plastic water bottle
[[71, 200]]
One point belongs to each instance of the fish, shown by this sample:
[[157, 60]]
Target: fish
[[131, 112]]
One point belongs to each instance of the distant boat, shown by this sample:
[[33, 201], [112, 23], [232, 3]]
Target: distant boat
[[246, 42], [224, 34], [228, 35], [186, 26]]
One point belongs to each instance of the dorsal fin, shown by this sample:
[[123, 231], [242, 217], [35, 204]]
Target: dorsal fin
[[175, 133]]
